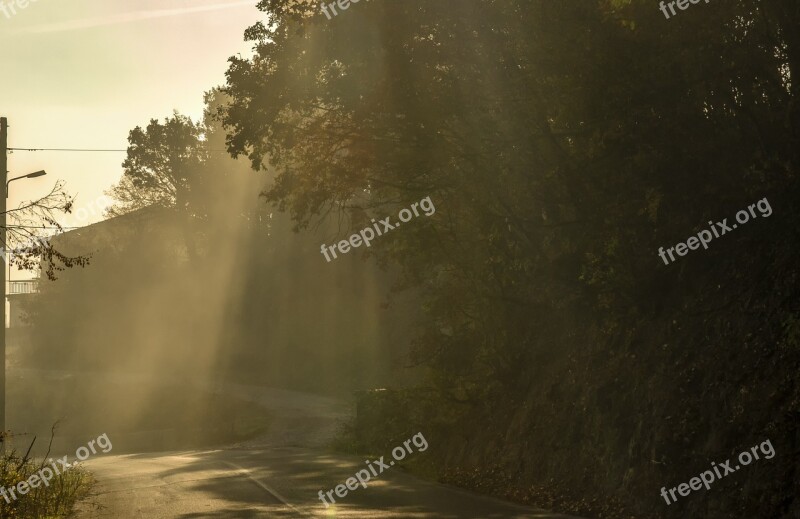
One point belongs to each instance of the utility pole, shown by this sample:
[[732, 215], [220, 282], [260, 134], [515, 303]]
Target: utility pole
[[4, 245]]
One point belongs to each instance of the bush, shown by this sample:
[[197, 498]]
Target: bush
[[44, 502]]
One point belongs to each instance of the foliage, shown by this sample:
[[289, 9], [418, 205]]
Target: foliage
[[28, 246], [46, 501], [160, 162], [563, 143]]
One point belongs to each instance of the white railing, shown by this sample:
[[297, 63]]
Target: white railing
[[30, 286]]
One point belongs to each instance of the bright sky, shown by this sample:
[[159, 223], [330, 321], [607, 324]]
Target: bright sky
[[83, 73]]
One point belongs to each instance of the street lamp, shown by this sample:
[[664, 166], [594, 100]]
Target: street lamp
[[35, 174], [3, 235]]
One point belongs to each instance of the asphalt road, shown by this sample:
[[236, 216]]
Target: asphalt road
[[278, 475]]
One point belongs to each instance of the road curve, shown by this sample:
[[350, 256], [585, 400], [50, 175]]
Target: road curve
[[276, 476]]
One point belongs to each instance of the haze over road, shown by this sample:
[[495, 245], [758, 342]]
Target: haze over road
[[277, 475]]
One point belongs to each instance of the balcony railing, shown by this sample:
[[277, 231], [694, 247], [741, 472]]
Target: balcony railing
[[30, 286]]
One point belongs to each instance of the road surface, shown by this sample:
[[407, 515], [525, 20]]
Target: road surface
[[278, 475]]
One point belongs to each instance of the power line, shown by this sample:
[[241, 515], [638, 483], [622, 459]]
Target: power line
[[58, 149], [40, 227], [85, 150]]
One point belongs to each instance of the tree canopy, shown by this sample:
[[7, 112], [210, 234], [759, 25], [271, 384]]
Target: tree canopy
[[563, 143]]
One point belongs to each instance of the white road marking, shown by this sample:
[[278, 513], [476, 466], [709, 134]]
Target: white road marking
[[245, 472]]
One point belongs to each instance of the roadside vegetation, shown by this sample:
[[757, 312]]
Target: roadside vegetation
[[43, 502], [563, 143]]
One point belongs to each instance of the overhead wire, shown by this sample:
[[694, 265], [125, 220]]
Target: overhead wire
[[91, 150], [60, 149]]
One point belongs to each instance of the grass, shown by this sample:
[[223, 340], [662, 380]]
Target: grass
[[53, 501]]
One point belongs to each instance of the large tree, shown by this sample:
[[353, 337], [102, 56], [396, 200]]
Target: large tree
[[163, 160], [182, 165], [562, 143]]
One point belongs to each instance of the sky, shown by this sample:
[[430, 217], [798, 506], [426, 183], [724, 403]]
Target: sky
[[83, 73]]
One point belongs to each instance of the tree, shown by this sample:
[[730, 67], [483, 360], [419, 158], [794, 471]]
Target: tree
[[162, 161], [28, 244], [182, 165], [563, 143]]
